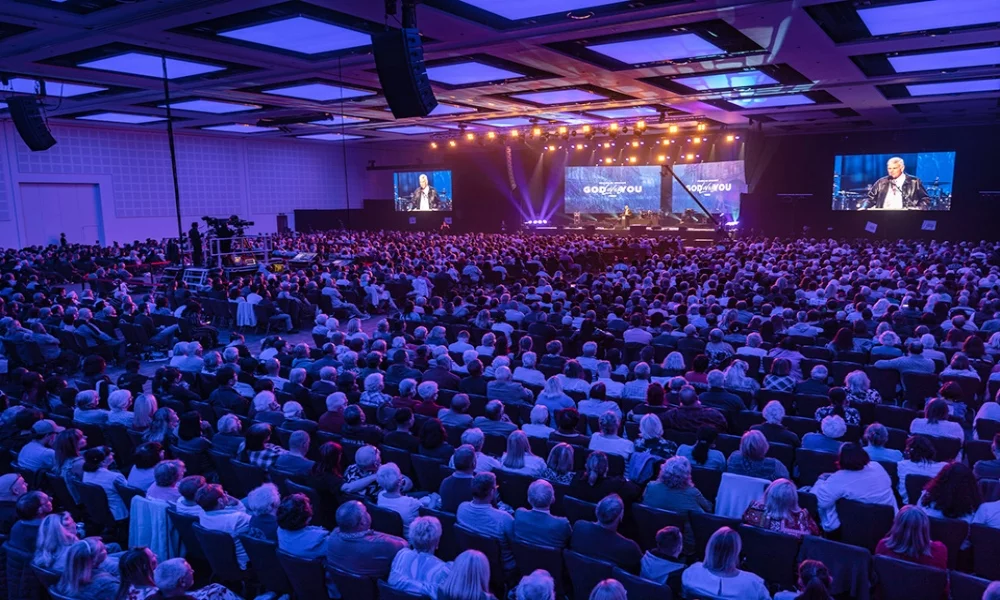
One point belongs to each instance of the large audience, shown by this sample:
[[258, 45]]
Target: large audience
[[467, 417]]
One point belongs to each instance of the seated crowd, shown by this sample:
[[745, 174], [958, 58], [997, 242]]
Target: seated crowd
[[536, 415]]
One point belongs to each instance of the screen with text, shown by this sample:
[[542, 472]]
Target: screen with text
[[593, 190]]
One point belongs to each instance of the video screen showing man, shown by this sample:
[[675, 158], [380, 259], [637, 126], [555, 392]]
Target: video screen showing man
[[423, 192], [898, 190]]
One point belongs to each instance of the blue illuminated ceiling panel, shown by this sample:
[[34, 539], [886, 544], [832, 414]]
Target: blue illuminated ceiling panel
[[468, 72], [725, 81], [116, 117], [528, 9], [320, 92], [575, 119], [53, 89], [216, 107], [554, 97], [329, 137], [412, 129], [301, 34], [953, 59], [150, 65], [450, 109], [928, 15], [954, 87], [626, 113], [772, 101], [506, 122], [239, 128], [657, 49]]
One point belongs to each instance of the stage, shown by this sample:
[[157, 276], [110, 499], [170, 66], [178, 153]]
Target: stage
[[696, 236]]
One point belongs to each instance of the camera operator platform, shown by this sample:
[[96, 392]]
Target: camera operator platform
[[232, 250]]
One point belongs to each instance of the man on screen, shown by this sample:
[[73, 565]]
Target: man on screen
[[424, 197], [897, 190]]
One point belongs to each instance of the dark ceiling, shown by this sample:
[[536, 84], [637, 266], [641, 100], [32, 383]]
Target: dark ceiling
[[797, 66]]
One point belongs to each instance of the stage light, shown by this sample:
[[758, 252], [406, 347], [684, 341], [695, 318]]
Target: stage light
[[702, 127], [730, 138], [491, 135], [673, 129], [607, 161], [563, 130], [514, 133], [537, 131], [546, 148], [452, 143], [640, 125], [607, 144], [470, 136], [579, 146], [613, 127], [635, 144], [662, 158], [434, 145], [586, 129], [690, 157], [552, 148], [632, 159], [696, 140]]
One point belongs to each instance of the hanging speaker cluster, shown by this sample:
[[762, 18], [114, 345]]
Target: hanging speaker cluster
[[26, 112]]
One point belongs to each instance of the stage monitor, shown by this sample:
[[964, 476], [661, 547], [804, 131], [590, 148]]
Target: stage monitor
[[606, 190], [717, 185], [908, 181], [422, 191]]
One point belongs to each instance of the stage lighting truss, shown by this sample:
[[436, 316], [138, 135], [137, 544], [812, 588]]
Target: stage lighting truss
[[631, 130]]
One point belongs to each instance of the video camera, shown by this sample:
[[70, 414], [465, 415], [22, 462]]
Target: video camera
[[225, 228]]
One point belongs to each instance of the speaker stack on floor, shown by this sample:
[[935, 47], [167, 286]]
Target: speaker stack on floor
[[26, 112]]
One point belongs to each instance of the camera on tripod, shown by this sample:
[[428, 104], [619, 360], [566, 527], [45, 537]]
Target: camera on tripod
[[225, 228]]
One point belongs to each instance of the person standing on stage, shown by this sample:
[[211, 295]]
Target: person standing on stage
[[626, 216], [897, 190], [196, 247]]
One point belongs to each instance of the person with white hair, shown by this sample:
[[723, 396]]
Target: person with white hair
[[609, 589], [361, 477], [416, 570], [816, 385], [607, 439], [174, 578], [736, 379], [751, 459], [773, 429], [373, 394], [506, 390], [831, 436], [538, 427], [553, 398], [120, 401], [538, 585], [87, 408], [719, 575], [612, 388], [779, 511], [588, 360], [929, 343], [636, 389], [528, 372], [333, 419], [391, 480], [294, 461]]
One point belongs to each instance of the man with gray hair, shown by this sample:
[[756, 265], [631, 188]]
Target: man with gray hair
[[537, 526], [636, 389], [506, 390], [475, 438], [327, 383], [479, 515], [612, 388], [353, 547], [589, 358], [601, 540], [816, 384], [539, 585], [440, 373], [913, 361], [174, 577], [717, 397], [296, 385], [897, 190], [294, 461], [458, 415], [427, 392], [495, 422], [273, 369]]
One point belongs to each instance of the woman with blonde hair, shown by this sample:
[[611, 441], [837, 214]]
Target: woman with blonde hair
[[910, 540], [751, 459], [651, 438], [56, 535], [518, 457], [779, 511], [82, 579], [143, 409], [559, 466], [719, 575], [469, 578], [736, 379], [673, 365], [163, 427]]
